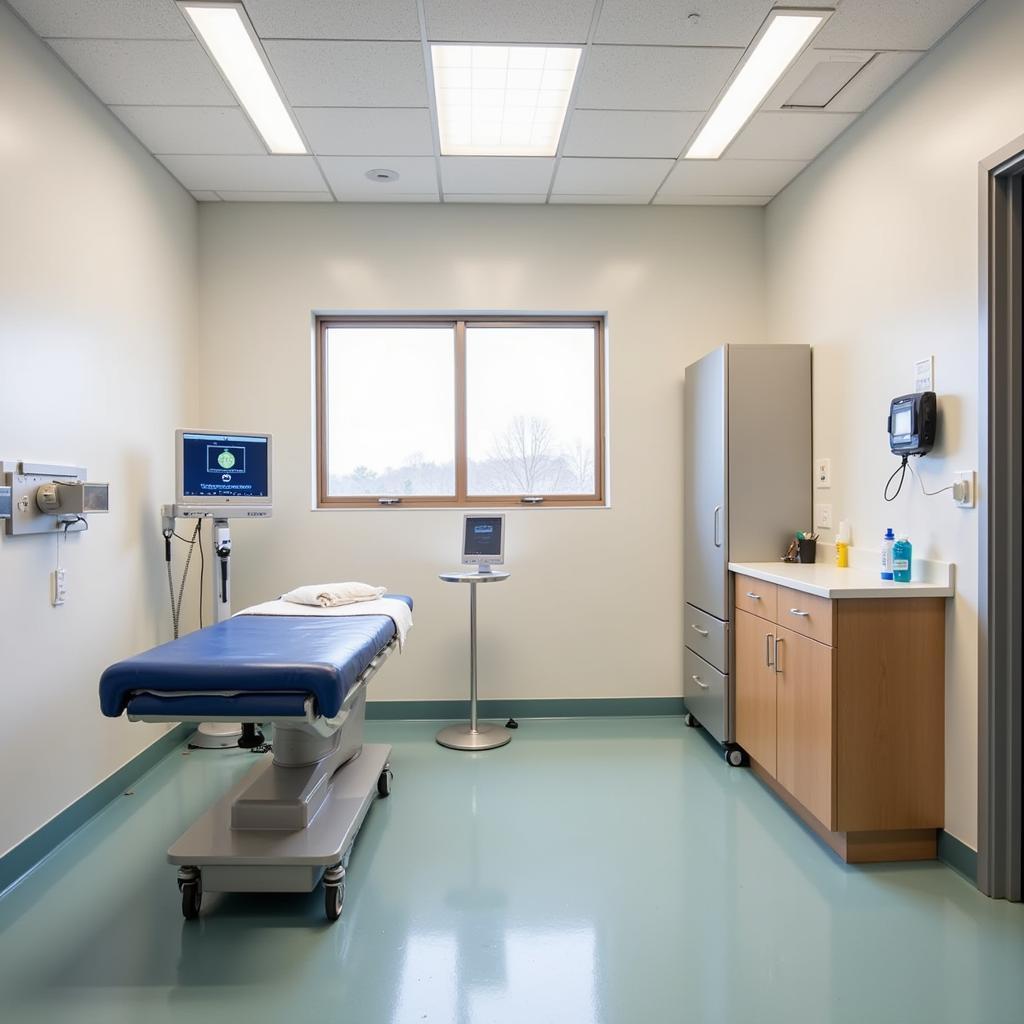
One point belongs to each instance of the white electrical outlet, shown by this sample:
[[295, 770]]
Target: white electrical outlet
[[58, 587], [963, 488], [823, 516], [822, 473]]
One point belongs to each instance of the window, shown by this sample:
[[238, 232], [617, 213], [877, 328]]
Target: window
[[436, 411]]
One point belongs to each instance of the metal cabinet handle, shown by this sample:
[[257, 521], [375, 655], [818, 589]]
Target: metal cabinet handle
[[702, 685], [768, 638], [753, 596], [697, 629], [778, 665], [796, 611], [718, 512]]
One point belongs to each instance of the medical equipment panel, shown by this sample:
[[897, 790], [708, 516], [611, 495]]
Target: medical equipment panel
[[911, 424], [47, 498], [221, 470], [483, 541]]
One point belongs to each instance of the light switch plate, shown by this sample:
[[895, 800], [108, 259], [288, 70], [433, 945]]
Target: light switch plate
[[822, 473], [823, 516]]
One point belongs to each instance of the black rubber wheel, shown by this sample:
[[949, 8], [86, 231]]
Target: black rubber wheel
[[191, 899], [735, 757], [689, 721], [384, 783], [334, 900]]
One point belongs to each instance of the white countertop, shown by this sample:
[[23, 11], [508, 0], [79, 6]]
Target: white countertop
[[825, 579]]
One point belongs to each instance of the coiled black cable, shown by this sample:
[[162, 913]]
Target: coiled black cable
[[901, 469]]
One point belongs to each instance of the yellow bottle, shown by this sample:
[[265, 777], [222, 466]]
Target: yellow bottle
[[843, 546]]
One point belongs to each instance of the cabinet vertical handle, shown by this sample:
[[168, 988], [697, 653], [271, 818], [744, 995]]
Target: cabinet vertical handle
[[778, 664], [768, 638], [718, 513]]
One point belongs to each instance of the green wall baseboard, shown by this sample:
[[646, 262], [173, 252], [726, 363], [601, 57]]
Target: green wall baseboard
[[569, 707], [958, 856], [30, 852]]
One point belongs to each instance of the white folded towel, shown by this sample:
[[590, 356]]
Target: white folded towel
[[334, 595], [398, 611]]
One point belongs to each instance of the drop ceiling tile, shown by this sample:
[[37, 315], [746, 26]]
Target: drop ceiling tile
[[787, 135], [651, 133], [492, 197], [205, 197], [210, 130], [324, 73], [641, 200], [105, 19], [384, 131], [334, 19], [394, 197], [347, 176], [496, 174], [809, 64], [729, 178], [884, 25], [663, 200], [585, 176], [654, 77], [667, 22], [509, 21], [275, 197], [145, 71], [876, 77], [246, 173]]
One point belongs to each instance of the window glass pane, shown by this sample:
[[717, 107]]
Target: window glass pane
[[391, 410], [530, 410]]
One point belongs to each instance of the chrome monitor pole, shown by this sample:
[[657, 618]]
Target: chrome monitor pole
[[475, 735]]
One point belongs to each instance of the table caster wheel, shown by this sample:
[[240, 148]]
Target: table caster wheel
[[334, 900], [689, 721], [191, 898], [384, 782], [735, 757]]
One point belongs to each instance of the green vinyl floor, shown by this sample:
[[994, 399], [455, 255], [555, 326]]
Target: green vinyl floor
[[594, 871]]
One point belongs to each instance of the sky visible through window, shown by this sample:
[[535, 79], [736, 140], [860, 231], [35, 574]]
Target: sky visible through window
[[529, 410]]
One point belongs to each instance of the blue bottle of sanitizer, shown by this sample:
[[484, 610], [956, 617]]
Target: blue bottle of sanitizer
[[902, 551]]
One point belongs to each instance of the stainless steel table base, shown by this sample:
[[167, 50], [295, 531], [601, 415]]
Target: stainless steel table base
[[473, 735], [486, 736]]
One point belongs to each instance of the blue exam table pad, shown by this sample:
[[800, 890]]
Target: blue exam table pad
[[268, 664]]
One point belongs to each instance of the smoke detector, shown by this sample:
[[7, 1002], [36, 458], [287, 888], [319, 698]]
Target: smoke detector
[[382, 174]]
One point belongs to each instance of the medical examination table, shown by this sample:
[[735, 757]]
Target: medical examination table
[[290, 823]]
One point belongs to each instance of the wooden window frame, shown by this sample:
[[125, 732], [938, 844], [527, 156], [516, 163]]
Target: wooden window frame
[[460, 322]]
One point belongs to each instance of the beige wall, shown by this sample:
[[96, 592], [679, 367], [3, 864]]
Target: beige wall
[[97, 349], [593, 605], [873, 258]]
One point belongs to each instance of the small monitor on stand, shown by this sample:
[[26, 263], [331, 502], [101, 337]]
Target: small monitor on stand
[[483, 542]]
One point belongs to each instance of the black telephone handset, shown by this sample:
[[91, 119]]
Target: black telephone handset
[[912, 420]]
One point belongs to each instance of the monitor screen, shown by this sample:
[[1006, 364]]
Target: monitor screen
[[902, 420], [224, 467], [483, 538]]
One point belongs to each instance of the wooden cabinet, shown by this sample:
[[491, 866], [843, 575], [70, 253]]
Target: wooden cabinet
[[839, 705]]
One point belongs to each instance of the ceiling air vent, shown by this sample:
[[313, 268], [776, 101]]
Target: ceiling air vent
[[825, 81]]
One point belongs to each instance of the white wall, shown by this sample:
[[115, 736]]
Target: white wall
[[593, 605], [873, 259], [97, 357]]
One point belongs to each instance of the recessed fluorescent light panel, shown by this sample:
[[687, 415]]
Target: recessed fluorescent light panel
[[229, 38], [781, 40], [502, 100]]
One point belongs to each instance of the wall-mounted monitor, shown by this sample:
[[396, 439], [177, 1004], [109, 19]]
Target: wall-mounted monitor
[[224, 471]]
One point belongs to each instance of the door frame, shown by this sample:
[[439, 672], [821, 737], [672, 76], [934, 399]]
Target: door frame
[[1000, 692]]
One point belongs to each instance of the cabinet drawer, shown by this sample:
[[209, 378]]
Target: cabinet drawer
[[707, 636], [705, 690], [756, 597], [806, 614]]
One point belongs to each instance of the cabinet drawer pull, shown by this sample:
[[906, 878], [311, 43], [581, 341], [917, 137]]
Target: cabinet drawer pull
[[768, 638], [777, 663], [697, 629], [700, 683], [753, 596], [796, 611]]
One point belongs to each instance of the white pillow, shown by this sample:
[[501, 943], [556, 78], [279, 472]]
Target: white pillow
[[333, 595]]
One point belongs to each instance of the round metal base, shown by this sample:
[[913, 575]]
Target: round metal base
[[215, 736], [486, 737]]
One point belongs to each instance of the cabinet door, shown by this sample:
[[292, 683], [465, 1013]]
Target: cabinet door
[[755, 689], [805, 722]]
